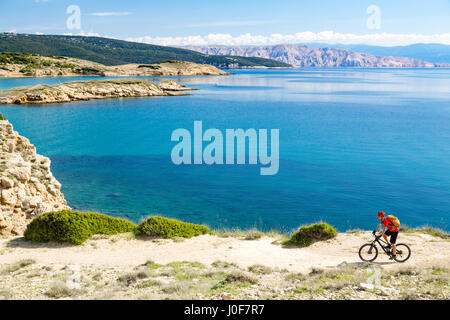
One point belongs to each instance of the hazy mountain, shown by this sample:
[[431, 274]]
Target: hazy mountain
[[307, 56], [436, 53]]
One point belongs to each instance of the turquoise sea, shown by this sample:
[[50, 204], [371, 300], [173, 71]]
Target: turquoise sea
[[352, 142]]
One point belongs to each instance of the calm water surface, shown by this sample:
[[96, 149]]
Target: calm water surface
[[352, 142]]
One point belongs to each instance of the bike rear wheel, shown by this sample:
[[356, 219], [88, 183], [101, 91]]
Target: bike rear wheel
[[403, 252], [368, 252]]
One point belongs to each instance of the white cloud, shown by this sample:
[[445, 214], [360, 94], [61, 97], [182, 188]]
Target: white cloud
[[109, 14], [86, 34], [231, 23], [383, 39]]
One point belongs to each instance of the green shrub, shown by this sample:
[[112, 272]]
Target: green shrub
[[154, 67], [90, 69], [169, 228], [307, 235], [2, 117], [73, 226]]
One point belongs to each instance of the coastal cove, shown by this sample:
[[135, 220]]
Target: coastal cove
[[352, 142]]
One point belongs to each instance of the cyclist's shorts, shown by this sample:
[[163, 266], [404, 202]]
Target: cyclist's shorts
[[393, 235]]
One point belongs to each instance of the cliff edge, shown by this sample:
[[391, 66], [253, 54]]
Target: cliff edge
[[27, 185]]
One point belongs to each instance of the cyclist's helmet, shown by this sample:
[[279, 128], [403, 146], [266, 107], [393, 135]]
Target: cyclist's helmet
[[381, 214]]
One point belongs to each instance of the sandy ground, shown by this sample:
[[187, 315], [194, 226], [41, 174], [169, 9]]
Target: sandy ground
[[110, 251]]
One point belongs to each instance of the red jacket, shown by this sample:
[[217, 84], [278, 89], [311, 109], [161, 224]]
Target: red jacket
[[387, 223]]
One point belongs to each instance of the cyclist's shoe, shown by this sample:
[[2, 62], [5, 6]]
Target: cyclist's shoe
[[392, 257]]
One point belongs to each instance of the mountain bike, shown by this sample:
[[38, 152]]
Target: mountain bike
[[369, 251]]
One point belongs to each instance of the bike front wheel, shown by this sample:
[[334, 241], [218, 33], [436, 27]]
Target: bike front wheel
[[368, 252], [403, 252]]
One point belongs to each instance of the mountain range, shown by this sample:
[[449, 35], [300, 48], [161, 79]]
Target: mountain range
[[313, 56], [112, 52]]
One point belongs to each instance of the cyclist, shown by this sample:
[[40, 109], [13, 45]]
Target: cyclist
[[392, 232]]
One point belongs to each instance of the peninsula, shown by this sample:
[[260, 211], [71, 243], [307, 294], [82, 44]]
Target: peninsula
[[13, 65], [88, 90]]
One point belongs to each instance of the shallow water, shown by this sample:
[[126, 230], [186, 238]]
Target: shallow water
[[352, 142]]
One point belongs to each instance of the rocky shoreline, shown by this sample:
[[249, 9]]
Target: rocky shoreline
[[15, 65], [88, 90], [27, 187]]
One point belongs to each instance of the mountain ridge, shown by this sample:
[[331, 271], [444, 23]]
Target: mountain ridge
[[307, 56], [112, 52]]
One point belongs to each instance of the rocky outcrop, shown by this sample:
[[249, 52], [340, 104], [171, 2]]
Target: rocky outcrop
[[87, 90], [304, 56], [27, 185], [168, 68], [33, 65]]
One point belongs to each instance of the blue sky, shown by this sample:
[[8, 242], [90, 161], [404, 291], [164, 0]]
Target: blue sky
[[177, 22]]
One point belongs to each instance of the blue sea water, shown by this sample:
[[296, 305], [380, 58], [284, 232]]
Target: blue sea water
[[352, 142]]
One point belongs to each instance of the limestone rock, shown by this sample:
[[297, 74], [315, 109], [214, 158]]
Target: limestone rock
[[82, 91], [7, 182], [309, 57], [27, 186]]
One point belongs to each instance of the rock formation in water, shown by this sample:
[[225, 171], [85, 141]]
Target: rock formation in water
[[304, 56], [87, 90], [27, 185]]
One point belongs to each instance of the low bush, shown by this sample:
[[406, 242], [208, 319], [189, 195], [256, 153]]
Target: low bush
[[169, 228], [307, 235], [2, 117], [73, 226], [154, 67]]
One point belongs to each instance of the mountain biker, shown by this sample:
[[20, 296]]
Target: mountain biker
[[392, 232]]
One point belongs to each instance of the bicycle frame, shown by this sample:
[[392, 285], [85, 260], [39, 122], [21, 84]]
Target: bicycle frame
[[380, 242]]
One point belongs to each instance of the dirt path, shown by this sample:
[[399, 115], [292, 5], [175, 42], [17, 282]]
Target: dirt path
[[427, 251]]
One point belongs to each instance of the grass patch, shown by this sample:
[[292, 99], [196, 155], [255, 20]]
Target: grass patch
[[73, 226], [130, 278], [169, 228], [435, 232], [259, 269], [17, 266], [152, 265], [224, 264], [148, 284], [60, 290], [6, 294], [237, 277], [251, 234]]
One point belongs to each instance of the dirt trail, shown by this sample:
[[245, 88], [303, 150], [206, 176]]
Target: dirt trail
[[427, 251]]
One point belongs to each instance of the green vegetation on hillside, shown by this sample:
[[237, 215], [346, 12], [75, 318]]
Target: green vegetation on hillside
[[169, 228], [117, 52], [73, 226], [307, 235]]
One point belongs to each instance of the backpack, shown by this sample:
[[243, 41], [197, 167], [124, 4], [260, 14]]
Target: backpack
[[394, 220]]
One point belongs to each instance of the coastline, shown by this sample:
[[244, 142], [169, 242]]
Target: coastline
[[89, 90]]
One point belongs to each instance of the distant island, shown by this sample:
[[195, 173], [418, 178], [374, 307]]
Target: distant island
[[114, 52]]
